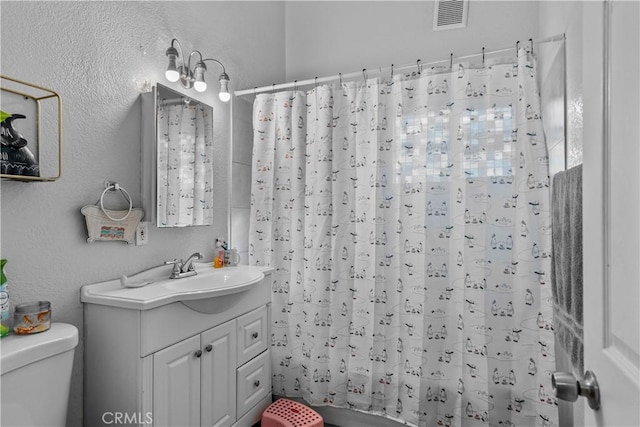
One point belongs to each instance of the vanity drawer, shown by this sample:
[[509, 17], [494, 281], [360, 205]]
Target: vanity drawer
[[253, 382], [252, 334]]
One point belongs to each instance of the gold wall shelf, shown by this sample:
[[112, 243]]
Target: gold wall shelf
[[32, 146]]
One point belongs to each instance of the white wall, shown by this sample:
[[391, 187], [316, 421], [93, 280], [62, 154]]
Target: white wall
[[95, 54], [556, 17], [327, 38], [241, 197]]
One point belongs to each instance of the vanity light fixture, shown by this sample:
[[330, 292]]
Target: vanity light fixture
[[194, 78]]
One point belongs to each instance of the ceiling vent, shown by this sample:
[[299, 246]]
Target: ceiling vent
[[450, 14]]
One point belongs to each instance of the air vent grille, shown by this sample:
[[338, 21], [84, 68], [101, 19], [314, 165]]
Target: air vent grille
[[450, 14]]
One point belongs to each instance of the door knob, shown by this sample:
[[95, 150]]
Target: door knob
[[567, 387], [209, 348]]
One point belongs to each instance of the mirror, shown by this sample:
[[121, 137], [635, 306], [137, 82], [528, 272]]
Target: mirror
[[177, 159]]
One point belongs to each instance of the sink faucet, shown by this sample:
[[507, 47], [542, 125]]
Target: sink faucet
[[184, 269]]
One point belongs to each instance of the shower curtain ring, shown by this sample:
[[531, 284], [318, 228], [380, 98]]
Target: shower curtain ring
[[316, 82], [364, 74], [295, 85], [451, 62], [483, 56], [340, 75], [391, 71], [419, 67], [531, 44], [273, 88], [517, 48]]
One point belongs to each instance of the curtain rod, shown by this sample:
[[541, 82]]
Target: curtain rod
[[274, 87]]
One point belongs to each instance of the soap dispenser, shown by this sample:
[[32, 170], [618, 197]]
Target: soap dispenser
[[218, 260]]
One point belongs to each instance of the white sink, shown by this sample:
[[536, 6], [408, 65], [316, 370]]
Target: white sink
[[208, 283], [218, 279]]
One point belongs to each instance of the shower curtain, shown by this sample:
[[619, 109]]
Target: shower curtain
[[407, 222], [185, 151]]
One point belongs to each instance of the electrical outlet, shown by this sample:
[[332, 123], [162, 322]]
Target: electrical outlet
[[142, 233]]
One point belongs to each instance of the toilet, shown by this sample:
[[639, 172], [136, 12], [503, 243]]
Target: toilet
[[36, 376]]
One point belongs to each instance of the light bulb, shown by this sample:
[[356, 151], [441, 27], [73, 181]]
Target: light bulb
[[200, 86], [224, 94], [172, 75]]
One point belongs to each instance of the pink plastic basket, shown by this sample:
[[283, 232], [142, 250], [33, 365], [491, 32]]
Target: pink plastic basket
[[287, 413]]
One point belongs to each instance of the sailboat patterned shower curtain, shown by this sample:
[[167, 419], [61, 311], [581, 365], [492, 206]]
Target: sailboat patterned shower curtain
[[185, 152], [407, 222]]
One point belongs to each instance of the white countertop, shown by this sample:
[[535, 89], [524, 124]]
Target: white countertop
[[208, 283]]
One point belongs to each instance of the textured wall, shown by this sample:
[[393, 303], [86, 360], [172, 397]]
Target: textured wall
[[96, 55]]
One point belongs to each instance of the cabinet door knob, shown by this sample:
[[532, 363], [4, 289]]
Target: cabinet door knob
[[254, 335], [198, 353], [256, 383], [209, 348]]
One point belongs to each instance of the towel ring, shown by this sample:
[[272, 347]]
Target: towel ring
[[126, 196]]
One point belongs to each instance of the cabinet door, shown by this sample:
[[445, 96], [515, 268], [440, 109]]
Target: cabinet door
[[218, 381], [176, 384], [252, 334]]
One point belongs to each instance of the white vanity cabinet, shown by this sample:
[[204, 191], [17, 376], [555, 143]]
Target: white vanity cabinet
[[201, 362], [192, 382]]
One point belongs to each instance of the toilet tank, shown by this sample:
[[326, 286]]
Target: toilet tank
[[36, 376]]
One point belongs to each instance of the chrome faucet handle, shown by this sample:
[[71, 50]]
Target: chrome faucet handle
[[176, 265]]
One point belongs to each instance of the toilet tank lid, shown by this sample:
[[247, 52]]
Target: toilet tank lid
[[17, 351]]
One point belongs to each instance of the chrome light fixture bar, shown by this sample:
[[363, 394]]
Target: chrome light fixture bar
[[193, 78]]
